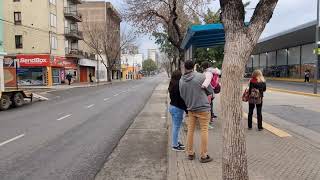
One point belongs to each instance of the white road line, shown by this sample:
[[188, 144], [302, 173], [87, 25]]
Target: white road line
[[116, 95], [106, 99], [10, 140], [64, 117], [123, 91], [90, 106]]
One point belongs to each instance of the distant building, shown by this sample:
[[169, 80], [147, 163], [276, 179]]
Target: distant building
[[131, 65], [152, 54], [131, 49]]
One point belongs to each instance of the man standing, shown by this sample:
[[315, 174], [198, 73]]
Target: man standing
[[69, 77], [196, 99]]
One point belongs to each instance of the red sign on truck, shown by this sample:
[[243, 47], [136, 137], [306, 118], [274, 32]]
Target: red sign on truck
[[34, 60]]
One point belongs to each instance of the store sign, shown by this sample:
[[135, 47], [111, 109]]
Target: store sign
[[34, 60], [63, 62], [8, 62], [87, 62]]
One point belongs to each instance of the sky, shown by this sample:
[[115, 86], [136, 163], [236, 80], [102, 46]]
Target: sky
[[288, 14]]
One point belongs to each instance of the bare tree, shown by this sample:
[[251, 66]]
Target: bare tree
[[166, 64], [170, 16], [241, 38], [107, 42]]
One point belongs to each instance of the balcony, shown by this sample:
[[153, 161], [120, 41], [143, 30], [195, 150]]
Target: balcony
[[73, 34], [76, 1], [73, 53], [72, 14]]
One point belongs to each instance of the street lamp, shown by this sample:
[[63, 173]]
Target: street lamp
[[316, 74]]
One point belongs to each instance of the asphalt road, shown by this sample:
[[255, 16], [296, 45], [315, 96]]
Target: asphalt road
[[292, 86], [70, 136]]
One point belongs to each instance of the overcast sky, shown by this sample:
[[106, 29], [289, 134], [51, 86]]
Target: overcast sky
[[288, 14]]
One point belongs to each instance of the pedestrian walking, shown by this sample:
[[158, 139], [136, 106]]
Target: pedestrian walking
[[90, 77], [177, 109], [307, 76], [69, 78], [257, 87], [198, 107]]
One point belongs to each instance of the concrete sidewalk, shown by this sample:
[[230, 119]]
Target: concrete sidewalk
[[270, 157], [142, 152]]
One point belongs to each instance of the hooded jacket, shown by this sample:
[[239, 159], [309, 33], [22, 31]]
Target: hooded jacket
[[193, 95]]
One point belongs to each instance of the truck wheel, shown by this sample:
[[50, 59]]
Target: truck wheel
[[18, 100], [5, 102]]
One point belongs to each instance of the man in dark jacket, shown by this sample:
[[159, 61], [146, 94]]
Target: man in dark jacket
[[196, 99]]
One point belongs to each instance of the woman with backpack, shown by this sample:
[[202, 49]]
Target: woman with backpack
[[176, 109], [257, 87]]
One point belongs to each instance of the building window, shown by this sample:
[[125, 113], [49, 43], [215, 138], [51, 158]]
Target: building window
[[53, 20], [52, 2], [54, 43], [18, 39], [16, 0], [17, 18]]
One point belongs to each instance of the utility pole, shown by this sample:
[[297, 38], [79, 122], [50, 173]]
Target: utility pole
[[316, 74]]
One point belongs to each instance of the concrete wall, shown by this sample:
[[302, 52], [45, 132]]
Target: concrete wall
[[35, 26]]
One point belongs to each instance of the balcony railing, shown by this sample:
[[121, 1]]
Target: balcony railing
[[74, 53], [72, 14], [73, 33]]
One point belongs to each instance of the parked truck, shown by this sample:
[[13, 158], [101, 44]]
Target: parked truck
[[10, 97]]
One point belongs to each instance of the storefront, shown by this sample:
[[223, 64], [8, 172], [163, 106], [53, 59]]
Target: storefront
[[87, 67], [71, 66], [33, 70]]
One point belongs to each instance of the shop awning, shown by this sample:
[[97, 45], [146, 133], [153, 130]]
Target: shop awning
[[204, 36]]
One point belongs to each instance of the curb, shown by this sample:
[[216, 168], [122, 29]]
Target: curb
[[290, 80], [294, 92]]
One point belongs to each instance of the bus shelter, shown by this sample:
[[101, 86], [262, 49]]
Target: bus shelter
[[202, 36]]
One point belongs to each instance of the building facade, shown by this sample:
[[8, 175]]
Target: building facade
[[152, 54], [2, 53], [287, 54], [44, 44], [102, 14], [131, 64]]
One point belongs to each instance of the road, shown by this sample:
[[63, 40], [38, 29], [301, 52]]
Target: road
[[70, 136], [292, 86]]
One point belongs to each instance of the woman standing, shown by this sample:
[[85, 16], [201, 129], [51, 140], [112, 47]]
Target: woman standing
[[257, 87], [177, 108]]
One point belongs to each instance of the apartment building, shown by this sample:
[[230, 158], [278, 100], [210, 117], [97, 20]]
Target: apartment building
[[2, 53], [102, 14], [42, 36]]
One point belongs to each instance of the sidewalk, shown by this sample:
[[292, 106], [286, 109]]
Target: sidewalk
[[141, 153], [270, 157]]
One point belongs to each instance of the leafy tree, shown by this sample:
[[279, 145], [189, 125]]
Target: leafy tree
[[241, 39], [149, 65]]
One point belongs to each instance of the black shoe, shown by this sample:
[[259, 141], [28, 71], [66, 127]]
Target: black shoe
[[178, 148], [250, 128], [181, 145], [206, 159], [260, 129], [192, 157], [214, 116]]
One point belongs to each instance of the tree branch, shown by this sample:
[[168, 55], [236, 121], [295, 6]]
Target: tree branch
[[233, 14]]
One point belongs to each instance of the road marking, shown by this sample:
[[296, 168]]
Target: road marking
[[64, 117], [123, 91], [106, 99], [163, 117], [90, 106], [116, 95], [269, 127], [293, 92], [40, 97], [10, 140]]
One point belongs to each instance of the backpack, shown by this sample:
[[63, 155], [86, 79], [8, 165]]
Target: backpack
[[255, 96]]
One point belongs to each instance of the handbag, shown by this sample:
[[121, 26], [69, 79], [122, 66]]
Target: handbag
[[245, 95]]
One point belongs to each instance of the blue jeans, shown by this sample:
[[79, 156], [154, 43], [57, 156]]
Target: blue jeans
[[177, 117]]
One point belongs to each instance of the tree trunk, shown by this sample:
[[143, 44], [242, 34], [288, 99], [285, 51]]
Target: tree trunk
[[109, 72], [234, 165]]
